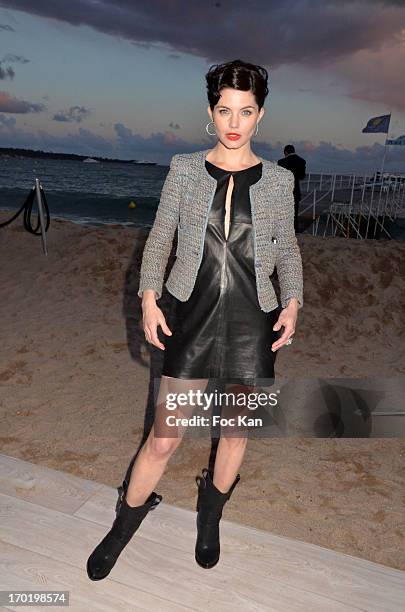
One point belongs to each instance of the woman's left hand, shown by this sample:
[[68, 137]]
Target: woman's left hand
[[288, 319]]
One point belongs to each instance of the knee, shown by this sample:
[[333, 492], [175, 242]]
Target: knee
[[160, 448]]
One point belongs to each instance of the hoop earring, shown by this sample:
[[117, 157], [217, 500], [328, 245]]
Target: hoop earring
[[208, 132]]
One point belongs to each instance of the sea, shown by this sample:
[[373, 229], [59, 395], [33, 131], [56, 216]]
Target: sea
[[85, 193], [100, 193]]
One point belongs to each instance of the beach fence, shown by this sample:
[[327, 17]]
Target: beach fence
[[350, 205], [43, 221]]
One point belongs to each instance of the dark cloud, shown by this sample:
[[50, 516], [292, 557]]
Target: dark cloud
[[322, 157], [9, 104], [6, 73], [329, 157], [158, 144], [299, 31], [7, 122], [73, 114], [314, 34], [385, 2], [15, 58], [83, 141]]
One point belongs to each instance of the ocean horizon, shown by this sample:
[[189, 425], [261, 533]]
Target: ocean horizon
[[98, 193], [101, 193]]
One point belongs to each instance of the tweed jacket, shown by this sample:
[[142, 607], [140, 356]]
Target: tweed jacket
[[185, 202]]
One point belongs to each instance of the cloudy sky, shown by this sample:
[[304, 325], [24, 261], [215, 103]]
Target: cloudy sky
[[122, 78]]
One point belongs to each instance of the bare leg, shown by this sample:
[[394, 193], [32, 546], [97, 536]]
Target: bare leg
[[231, 450], [228, 460], [154, 455]]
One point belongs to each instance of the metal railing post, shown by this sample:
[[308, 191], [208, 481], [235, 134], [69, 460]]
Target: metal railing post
[[41, 215]]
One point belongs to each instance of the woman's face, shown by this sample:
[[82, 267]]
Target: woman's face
[[235, 117]]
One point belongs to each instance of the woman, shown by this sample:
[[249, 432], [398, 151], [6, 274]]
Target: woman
[[234, 215]]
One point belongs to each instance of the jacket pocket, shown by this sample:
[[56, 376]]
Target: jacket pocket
[[272, 251], [180, 241]]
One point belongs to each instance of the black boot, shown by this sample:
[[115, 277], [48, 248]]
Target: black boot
[[210, 503], [127, 521]]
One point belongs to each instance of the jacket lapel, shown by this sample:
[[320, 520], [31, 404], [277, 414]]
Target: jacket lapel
[[261, 192]]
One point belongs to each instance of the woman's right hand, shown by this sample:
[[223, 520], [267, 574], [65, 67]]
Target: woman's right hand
[[152, 317]]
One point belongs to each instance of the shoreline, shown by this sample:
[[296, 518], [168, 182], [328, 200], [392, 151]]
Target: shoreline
[[399, 224]]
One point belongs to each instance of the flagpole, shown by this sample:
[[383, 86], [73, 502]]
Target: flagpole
[[383, 160], [385, 149]]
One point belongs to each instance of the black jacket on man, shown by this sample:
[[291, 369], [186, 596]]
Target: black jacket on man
[[297, 165]]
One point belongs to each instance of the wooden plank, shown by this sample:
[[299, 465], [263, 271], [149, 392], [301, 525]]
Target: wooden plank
[[154, 567], [342, 577], [22, 569], [44, 486], [264, 569]]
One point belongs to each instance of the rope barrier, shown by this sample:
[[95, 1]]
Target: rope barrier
[[26, 209]]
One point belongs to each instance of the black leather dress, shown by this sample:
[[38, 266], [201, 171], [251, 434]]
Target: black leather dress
[[220, 331]]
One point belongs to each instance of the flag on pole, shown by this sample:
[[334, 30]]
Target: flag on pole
[[396, 141], [378, 124]]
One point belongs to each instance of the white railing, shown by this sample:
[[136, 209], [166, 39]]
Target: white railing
[[354, 205]]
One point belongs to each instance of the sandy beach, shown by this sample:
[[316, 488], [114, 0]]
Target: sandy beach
[[75, 372]]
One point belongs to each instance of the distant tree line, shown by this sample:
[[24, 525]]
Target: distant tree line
[[10, 152]]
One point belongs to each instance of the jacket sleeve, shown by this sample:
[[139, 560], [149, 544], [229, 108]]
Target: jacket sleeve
[[159, 241], [288, 259]]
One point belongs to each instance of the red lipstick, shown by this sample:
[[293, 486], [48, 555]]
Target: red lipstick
[[232, 136]]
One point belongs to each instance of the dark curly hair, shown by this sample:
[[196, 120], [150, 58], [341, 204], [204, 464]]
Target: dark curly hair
[[237, 75]]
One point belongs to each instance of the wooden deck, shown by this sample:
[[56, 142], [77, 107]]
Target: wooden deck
[[51, 521]]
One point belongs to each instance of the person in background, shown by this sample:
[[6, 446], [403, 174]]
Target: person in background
[[297, 165]]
